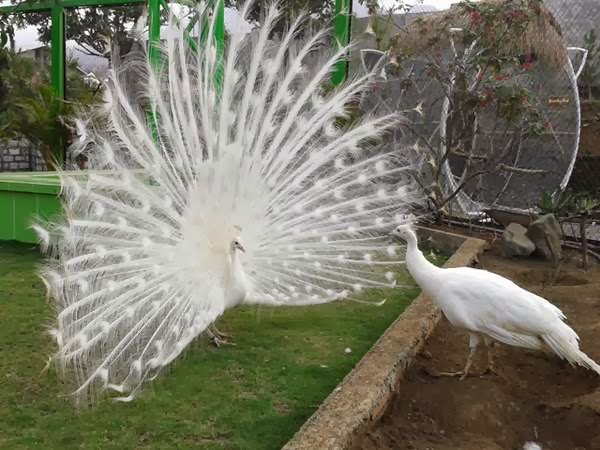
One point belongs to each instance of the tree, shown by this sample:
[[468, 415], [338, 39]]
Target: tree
[[32, 111], [481, 79], [590, 76], [318, 10], [91, 28], [8, 25], [3, 89], [321, 12]]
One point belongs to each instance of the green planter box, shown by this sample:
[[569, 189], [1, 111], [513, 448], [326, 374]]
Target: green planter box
[[27, 195], [23, 197]]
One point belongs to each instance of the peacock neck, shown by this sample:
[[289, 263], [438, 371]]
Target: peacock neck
[[237, 287], [422, 271]]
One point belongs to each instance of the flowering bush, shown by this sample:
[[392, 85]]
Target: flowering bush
[[481, 56]]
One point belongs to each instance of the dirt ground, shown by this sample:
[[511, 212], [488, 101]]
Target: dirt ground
[[538, 397]]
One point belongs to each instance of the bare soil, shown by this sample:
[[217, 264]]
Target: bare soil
[[537, 397]]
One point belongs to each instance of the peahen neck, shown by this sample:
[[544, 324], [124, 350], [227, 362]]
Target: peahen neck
[[422, 271]]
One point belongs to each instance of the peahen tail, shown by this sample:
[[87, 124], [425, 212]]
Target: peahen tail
[[565, 343]]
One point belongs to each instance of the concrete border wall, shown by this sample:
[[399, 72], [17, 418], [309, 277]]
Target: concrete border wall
[[363, 395]]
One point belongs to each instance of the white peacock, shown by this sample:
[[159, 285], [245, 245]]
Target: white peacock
[[256, 196]]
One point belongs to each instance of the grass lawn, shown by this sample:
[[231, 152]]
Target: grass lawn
[[254, 395]]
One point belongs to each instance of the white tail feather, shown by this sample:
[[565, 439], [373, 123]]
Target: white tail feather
[[565, 343]]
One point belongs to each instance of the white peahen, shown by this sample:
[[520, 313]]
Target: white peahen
[[491, 308], [247, 193]]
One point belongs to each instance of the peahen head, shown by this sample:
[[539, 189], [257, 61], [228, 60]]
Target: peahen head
[[405, 232]]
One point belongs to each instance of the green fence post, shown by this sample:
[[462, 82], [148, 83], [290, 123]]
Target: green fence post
[[154, 55], [154, 33], [219, 11], [342, 26], [58, 73]]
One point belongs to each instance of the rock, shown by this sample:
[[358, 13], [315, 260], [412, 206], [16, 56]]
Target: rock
[[545, 233], [516, 242]]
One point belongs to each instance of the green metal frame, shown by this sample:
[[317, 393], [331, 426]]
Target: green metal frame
[[36, 194], [58, 34], [343, 33], [343, 19]]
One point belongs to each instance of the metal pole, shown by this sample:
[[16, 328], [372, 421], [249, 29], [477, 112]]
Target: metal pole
[[154, 56], [154, 33], [342, 26], [219, 11], [58, 73]]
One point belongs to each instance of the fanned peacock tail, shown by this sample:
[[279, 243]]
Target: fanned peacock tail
[[141, 264]]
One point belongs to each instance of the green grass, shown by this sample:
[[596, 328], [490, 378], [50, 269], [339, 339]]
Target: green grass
[[254, 395]]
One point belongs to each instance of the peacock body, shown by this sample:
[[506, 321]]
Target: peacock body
[[241, 192]]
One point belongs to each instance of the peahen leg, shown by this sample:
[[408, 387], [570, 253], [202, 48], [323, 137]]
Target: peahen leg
[[491, 367], [474, 341]]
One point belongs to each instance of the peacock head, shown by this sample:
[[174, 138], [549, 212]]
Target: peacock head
[[236, 244], [404, 232]]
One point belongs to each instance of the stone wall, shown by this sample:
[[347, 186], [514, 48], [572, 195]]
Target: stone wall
[[20, 156]]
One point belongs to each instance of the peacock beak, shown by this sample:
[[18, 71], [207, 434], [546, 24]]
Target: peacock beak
[[241, 248]]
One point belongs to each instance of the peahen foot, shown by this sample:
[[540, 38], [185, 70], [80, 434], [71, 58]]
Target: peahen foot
[[491, 368], [473, 343], [461, 373], [435, 373]]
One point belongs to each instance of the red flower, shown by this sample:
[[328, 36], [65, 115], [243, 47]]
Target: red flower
[[527, 66], [501, 77], [475, 17], [480, 76], [547, 124], [514, 14]]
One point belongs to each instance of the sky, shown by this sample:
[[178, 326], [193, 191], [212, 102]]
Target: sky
[[27, 37]]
